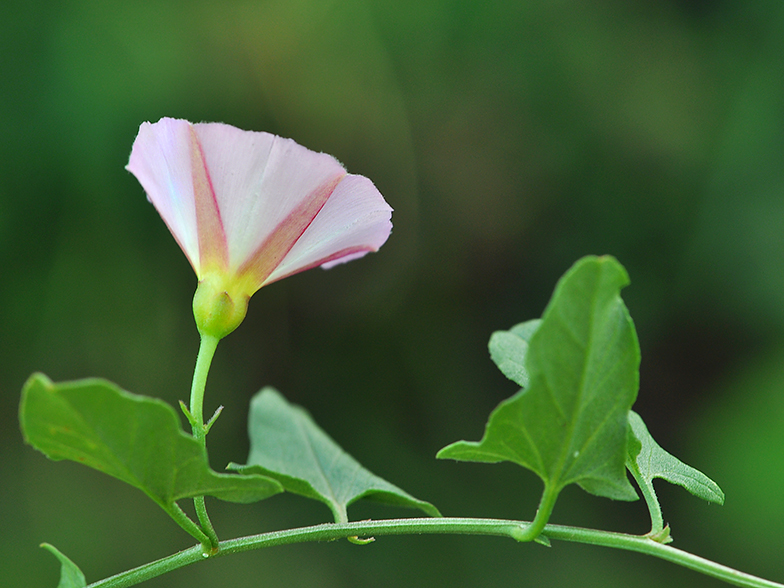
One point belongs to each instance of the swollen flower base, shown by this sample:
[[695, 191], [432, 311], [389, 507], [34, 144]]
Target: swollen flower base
[[216, 311]]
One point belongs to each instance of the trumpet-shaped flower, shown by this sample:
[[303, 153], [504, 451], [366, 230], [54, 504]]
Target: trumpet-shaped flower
[[250, 208]]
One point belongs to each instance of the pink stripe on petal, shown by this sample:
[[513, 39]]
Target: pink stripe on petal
[[354, 221], [213, 247], [272, 251], [345, 256], [260, 180], [335, 259]]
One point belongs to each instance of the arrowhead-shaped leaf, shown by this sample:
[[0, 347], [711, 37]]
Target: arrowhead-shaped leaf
[[647, 460], [509, 348], [286, 444], [133, 438], [570, 424], [70, 574]]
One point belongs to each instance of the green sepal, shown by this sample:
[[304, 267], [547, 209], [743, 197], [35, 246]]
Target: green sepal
[[70, 574], [287, 445], [133, 438], [569, 425]]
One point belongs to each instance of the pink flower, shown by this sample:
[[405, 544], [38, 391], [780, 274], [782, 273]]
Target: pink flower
[[250, 208]]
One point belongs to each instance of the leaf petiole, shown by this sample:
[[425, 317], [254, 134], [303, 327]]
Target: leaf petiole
[[651, 500], [184, 521], [546, 504]]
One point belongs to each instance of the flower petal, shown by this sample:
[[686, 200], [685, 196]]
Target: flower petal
[[252, 208], [161, 161], [268, 190], [354, 221], [213, 245], [168, 161]]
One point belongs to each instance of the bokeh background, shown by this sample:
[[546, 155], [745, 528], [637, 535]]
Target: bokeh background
[[512, 138]]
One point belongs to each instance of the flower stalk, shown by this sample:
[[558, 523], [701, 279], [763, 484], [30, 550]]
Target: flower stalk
[[195, 415]]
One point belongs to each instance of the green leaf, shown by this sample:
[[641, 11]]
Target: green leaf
[[570, 424], [646, 460], [133, 438], [509, 348], [286, 444], [70, 574]]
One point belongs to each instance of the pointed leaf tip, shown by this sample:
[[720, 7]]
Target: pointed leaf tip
[[286, 444]]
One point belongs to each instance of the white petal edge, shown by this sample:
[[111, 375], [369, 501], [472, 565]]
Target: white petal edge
[[161, 161]]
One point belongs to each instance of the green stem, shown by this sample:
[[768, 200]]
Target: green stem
[[203, 360], [460, 526]]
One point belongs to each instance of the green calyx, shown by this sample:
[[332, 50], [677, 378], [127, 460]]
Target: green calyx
[[217, 310]]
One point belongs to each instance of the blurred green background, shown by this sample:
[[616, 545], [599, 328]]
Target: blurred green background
[[511, 137]]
